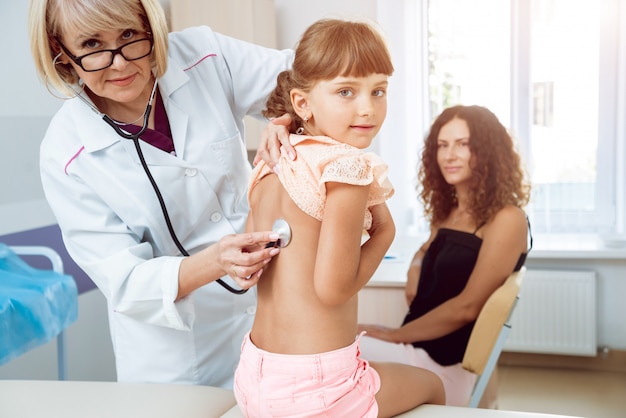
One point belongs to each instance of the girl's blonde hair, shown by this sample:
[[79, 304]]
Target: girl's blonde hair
[[330, 48], [49, 19]]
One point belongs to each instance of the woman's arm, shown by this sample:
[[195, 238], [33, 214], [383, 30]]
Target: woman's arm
[[274, 136], [415, 268], [504, 239], [248, 73], [246, 252]]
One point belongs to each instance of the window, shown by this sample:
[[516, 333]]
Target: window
[[469, 55], [565, 66], [554, 72]]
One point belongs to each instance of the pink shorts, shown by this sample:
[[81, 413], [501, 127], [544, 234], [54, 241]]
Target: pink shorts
[[336, 383]]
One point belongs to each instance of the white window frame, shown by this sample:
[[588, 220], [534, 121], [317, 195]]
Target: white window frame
[[408, 115]]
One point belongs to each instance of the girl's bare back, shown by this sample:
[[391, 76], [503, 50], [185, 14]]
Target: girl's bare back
[[290, 317]]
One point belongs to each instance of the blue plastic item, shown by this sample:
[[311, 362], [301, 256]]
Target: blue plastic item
[[35, 305]]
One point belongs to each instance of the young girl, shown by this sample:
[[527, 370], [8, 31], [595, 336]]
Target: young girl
[[301, 357]]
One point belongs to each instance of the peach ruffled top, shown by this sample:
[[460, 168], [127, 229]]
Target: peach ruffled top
[[321, 159]]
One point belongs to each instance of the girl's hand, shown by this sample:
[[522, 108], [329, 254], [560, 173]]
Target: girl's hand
[[381, 219], [275, 135]]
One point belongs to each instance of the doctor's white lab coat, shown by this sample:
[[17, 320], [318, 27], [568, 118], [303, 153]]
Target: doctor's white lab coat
[[113, 226]]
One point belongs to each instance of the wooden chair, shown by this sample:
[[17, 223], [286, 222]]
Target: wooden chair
[[490, 333]]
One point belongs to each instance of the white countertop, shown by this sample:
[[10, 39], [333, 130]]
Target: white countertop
[[573, 246], [72, 399], [392, 270]]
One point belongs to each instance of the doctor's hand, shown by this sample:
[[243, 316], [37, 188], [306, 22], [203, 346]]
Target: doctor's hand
[[243, 256], [275, 134], [240, 256]]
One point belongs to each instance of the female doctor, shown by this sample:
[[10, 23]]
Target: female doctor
[[131, 210]]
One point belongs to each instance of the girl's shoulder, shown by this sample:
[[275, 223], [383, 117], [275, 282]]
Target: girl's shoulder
[[325, 154]]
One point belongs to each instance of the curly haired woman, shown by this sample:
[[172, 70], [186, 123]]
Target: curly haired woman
[[473, 189]]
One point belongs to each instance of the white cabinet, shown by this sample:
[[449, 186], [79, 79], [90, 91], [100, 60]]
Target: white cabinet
[[382, 300], [382, 305]]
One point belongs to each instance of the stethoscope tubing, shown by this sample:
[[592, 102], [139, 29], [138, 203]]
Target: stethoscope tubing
[[157, 191], [135, 139]]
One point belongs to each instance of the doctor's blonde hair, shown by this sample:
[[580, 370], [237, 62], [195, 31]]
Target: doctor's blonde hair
[[330, 48], [48, 19]]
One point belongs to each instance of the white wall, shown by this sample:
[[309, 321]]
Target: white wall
[[294, 16], [25, 111]]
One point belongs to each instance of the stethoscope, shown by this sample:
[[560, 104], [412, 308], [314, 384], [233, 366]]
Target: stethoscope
[[281, 227]]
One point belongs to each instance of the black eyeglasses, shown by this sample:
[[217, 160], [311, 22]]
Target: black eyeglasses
[[99, 60]]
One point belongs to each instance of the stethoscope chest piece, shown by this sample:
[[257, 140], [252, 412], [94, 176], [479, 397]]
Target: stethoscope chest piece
[[282, 228]]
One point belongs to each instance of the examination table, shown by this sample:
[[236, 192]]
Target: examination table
[[73, 399]]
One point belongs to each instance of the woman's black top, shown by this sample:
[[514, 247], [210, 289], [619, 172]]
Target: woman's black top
[[446, 268]]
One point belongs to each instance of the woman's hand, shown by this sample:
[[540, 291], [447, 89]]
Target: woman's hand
[[275, 134], [240, 256], [243, 256], [377, 331]]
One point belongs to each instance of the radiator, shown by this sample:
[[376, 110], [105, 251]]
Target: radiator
[[555, 314]]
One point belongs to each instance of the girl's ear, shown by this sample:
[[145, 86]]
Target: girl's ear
[[300, 103]]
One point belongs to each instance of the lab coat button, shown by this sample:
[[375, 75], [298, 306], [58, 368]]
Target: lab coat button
[[216, 217], [190, 172], [251, 310]]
